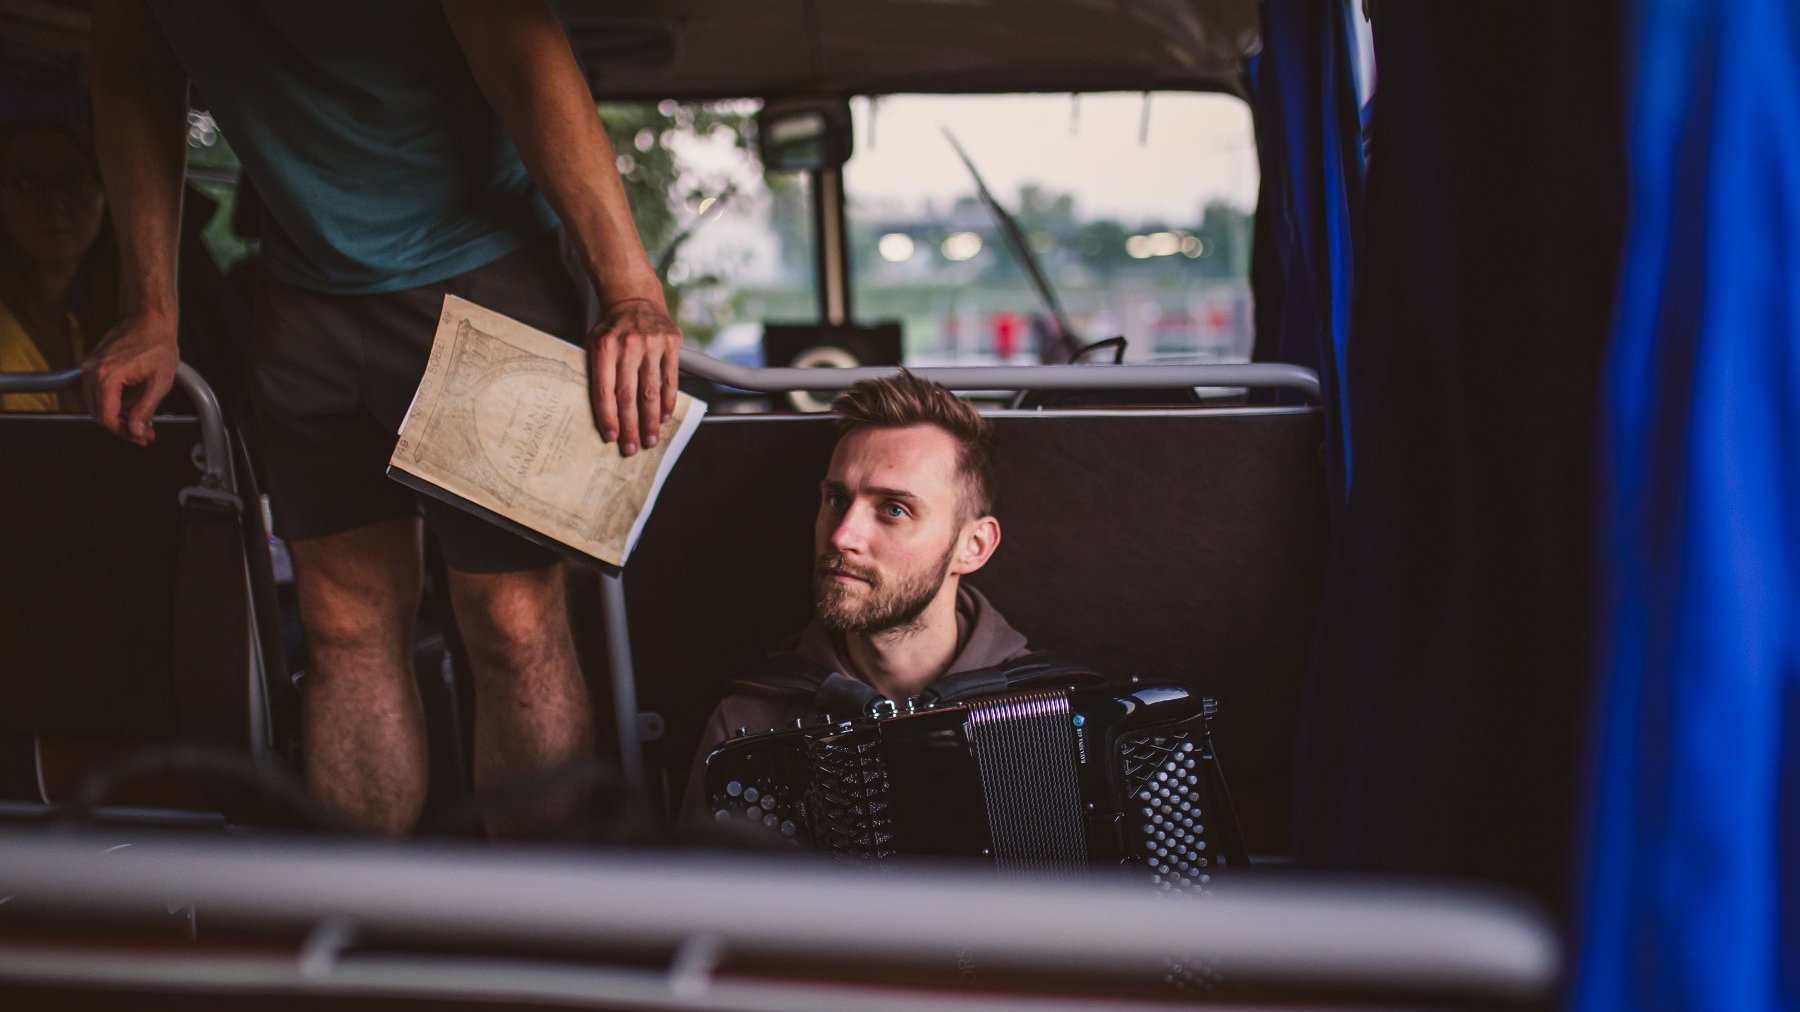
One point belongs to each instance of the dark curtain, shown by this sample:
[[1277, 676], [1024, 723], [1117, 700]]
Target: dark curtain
[[1442, 729], [1692, 865], [1309, 208]]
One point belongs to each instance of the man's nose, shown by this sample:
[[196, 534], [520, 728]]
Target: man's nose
[[851, 533]]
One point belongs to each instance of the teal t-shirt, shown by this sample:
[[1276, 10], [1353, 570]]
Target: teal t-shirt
[[380, 163]]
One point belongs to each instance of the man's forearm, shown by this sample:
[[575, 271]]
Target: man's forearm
[[521, 59], [140, 116]]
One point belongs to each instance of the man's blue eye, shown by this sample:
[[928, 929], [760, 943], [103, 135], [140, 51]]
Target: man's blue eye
[[835, 501], [894, 510]]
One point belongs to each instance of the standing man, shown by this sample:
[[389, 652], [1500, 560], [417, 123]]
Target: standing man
[[404, 149]]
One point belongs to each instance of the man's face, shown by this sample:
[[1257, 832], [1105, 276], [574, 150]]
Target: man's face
[[890, 517]]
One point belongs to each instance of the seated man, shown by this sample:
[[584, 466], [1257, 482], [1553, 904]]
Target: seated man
[[905, 512]]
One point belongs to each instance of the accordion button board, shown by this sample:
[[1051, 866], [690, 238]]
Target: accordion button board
[[1047, 781]]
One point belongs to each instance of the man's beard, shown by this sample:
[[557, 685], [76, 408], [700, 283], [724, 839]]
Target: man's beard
[[891, 602]]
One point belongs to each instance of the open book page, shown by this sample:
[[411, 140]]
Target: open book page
[[502, 424]]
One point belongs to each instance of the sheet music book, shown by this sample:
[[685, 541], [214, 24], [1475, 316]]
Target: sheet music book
[[502, 426]]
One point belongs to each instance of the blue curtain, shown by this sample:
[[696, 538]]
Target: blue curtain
[[1443, 727], [1693, 860], [1309, 141]]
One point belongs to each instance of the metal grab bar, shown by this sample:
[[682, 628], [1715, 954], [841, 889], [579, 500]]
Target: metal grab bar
[[216, 471], [1326, 932], [1013, 377]]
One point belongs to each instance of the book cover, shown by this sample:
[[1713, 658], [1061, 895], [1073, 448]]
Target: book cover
[[502, 425]]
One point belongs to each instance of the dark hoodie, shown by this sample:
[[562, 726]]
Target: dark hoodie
[[984, 639]]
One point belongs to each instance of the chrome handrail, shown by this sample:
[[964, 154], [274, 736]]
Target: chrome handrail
[[1013, 377]]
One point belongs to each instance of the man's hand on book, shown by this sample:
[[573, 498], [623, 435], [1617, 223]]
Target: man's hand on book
[[633, 354]]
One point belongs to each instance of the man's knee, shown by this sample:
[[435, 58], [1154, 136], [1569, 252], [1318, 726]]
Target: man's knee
[[512, 621], [359, 589]]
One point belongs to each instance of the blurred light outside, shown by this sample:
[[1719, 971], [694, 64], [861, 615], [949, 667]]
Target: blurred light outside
[[895, 247], [1163, 244], [960, 246]]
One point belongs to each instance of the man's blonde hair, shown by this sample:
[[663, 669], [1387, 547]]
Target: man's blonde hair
[[894, 402]]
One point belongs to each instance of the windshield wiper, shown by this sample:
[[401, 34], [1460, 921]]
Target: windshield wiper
[[1015, 240]]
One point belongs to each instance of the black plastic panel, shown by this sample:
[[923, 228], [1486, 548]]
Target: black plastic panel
[[87, 575]]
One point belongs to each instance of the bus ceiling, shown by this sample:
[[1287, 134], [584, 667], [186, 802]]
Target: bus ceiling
[[703, 49], [657, 49]]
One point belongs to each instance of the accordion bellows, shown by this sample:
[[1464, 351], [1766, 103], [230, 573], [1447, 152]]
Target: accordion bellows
[[1045, 781]]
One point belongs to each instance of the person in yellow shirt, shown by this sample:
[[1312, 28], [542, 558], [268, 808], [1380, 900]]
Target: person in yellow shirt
[[58, 281]]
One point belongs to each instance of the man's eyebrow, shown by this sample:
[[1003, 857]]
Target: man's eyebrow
[[887, 493]]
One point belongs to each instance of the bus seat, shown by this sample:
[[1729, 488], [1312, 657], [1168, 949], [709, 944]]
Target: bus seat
[[95, 591], [1184, 544]]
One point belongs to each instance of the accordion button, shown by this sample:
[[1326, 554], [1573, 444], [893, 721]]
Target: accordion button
[[751, 794], [788, 828], [720, 815], [1187, 746], [768, 802], [734, 788]]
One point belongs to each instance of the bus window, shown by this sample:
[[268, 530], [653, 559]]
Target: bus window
[[212, 169], [734, 245], [1137, 208]]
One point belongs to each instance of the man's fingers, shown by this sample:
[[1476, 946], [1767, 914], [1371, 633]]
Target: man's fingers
[[137, 421], [104, 402], [603, 362], [650, 400], [671, 377], [630, 361]]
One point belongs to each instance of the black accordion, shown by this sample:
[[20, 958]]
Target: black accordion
[[1044, 780]]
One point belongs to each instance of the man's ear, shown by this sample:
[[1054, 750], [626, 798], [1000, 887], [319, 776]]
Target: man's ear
[[975, 545]]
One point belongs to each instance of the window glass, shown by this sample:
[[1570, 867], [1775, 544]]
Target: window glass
[[734, 246], [212, 169], [1138, 209]]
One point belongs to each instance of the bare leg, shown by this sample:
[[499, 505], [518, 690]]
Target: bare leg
[[531, 706], [364, 727]]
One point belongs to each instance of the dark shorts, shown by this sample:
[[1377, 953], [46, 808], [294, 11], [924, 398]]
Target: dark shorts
[[333, 375]]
